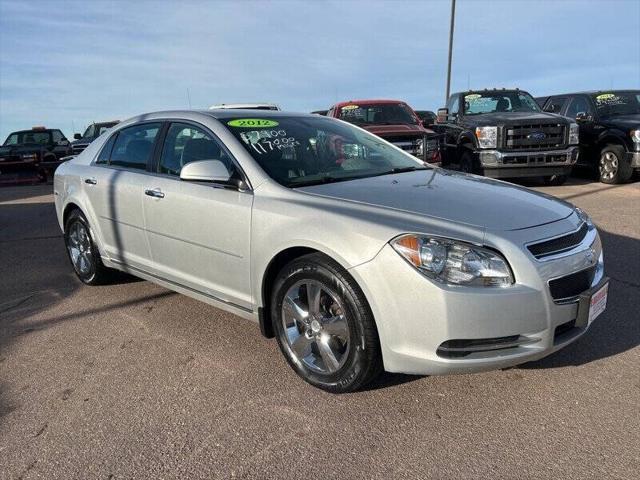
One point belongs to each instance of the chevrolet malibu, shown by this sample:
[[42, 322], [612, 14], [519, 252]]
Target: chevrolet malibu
[[355, 255]]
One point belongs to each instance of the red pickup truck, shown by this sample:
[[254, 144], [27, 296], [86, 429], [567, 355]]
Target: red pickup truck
[[393, 120]]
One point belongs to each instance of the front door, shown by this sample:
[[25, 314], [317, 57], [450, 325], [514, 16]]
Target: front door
[[198, 233]]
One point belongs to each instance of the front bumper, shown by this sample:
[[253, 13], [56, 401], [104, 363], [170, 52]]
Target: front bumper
[[416, 317], [634, 159], [498, 164]]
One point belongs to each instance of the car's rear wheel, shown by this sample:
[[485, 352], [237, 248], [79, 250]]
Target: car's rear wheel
[[324, 325], [83, 252], [613, 167]]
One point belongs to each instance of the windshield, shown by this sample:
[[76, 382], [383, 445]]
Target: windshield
[[617, 103], [299, 151], [490, 102], [378, 114], [21, 138]]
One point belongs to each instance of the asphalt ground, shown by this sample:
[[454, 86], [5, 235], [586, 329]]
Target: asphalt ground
[[133, 381]]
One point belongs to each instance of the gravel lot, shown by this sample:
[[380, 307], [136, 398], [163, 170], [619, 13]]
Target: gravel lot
[[134, 381]]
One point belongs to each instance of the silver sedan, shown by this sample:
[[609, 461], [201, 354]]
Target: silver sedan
[[352, 253]]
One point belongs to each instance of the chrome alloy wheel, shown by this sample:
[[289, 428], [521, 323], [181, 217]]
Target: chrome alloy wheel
[[79, 246], [608, 165], [315, 326]]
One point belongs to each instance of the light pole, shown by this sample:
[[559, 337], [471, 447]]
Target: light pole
[[453, 16]]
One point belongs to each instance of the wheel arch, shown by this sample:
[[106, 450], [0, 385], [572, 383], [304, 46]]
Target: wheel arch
[[69, 207]]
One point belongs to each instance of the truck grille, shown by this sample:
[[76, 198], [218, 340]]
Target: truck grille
[[567, 288], [77, 149], [545, 136], [559, 244]]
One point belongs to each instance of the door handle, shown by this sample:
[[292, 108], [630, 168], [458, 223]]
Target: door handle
[[90, 181], [156, 193]]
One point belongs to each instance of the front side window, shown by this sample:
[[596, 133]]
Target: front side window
[[57, 136], [617, 103], [491, 102], [578, 105], [88, 133], [299, 151], [453, 105], [378, 114], [555, 104], [186, 143], [134, 146]]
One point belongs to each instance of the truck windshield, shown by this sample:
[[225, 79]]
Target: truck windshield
[[302, 151], [477, 103], [617, 103], [378, 114]]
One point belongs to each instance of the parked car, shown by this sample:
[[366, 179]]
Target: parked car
[[92, 132], [427, 117], [393, 120], [38, 150], [353, 253], [245, 106], [505, 134], [609, 130]]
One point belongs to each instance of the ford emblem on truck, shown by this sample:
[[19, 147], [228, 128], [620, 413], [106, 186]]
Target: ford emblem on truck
[[537, 136]]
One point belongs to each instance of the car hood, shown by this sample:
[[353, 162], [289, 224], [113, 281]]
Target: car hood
[[502, 118], [396, 130], [623, 121], [451, 196]]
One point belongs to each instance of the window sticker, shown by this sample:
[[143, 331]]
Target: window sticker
[[472, 96], [350, 107], [265, 141], [252, 123], [609, 99]]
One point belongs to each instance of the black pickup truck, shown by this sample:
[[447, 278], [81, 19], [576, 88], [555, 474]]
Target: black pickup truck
[[505, 134], [92, 132], [38, 151], [609, 130]]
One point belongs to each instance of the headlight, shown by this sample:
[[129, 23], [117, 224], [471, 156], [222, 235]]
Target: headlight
[[574, 131], [453, 262], [418, 148], [635, 136], [487, 137], [582, 215]]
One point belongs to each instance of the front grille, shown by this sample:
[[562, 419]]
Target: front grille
[[77, 149], [560, 244], [535, 159], [526, 137], [569, 287]]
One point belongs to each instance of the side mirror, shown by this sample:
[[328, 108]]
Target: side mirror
[[77, 136], [583, 117], [443, 115], [205, 171]]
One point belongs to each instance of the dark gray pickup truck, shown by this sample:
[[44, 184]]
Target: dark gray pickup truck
[[504, 134]]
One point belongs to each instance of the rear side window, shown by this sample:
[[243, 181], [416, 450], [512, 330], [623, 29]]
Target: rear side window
[[134, 146], [105, 153], [555, 104]]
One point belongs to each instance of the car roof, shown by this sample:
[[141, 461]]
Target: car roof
[[244, 106], [36, 130], [490, 90], [218, 113], [592, 92], [368, 102]]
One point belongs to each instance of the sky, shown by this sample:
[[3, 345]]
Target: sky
[[65, 64]]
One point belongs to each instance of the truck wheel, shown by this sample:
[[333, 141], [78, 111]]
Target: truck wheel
[[613, 166], [83, 252], [324, 326], [467, 162], [555, 180]]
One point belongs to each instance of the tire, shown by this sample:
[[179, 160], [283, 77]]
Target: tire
[[333, 345], [555, 180], [613, 167], [83, 252], [467, 162]]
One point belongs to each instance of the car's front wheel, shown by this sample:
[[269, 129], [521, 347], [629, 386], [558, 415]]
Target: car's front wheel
[[613, 167], [83, 252], [324, 325]]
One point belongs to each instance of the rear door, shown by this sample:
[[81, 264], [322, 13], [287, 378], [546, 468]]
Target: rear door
[[198, 233], [116, 191]]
